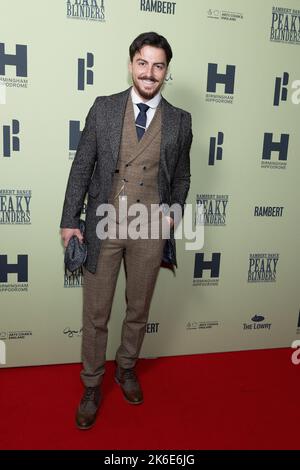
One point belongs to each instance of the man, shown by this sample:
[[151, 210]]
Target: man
[[135, 146]]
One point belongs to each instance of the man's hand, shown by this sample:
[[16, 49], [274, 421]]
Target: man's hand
[[67, 233]]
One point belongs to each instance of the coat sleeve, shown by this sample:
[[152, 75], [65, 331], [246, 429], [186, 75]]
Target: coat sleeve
[[182, 177], [81, 171]]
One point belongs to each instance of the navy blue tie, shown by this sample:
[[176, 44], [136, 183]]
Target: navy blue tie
[[141, 120]]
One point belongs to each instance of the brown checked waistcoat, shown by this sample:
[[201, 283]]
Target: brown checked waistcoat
[[137, 166]]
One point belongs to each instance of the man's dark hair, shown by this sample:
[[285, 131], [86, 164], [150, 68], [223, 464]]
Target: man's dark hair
[[150, 39]]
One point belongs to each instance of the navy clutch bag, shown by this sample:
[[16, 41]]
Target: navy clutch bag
[[76, 252]]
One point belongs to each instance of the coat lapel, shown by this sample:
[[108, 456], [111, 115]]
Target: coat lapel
[[116, 106]]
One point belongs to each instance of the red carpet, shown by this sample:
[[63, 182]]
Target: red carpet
[[240, 400]]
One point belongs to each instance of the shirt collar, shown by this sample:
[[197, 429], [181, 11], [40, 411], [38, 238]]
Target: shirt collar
[[153, 103]]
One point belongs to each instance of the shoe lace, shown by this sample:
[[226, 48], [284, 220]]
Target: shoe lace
[[129, 374], [89, 394]]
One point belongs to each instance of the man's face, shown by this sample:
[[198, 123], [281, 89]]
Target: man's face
[[148, 69]]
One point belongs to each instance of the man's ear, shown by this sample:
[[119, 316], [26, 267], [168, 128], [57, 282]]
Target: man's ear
[[130, 66]]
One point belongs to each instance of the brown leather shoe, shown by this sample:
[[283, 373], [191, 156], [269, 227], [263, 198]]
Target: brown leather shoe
[[129, 384], [88, 408]]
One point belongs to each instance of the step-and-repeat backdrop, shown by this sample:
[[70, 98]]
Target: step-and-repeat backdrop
[[236, 68]]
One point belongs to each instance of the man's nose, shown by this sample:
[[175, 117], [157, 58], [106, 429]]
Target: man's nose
[[148, 70]]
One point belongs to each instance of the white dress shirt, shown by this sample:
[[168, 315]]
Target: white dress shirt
[[153, 103]]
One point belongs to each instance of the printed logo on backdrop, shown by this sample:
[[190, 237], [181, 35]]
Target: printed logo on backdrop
[[268, 211], [157, 6], [72, 332], [15, 334], [214, 211], [13, 67], [89, 10], [215, 148], [10, 271], [169, 79], [275, 152], [10, 138], [258, 323], [263, 267], [281, 90], [74, 279], [285, 25], [152, 328], [202, 325], [224, 15], [85, 74], [69, 332], [74, 137], [207, 271], [15, 206], [220, 83]]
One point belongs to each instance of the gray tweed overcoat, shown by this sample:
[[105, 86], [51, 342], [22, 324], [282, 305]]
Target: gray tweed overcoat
[[97, 155]]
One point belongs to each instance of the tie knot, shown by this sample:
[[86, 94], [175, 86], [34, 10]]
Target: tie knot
[[143, 107]]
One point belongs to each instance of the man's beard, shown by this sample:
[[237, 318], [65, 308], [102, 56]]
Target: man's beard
[[144, 94]]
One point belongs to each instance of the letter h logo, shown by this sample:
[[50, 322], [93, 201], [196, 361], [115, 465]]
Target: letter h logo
[[20, 268], [270, 146], [213, 77], [213, 266], [19, 60]]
